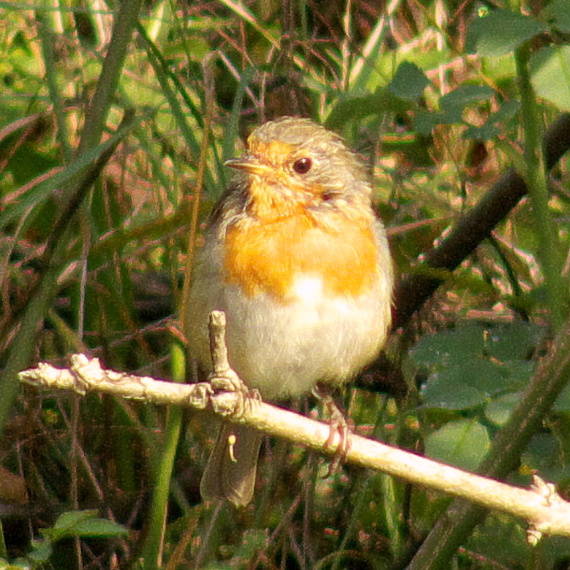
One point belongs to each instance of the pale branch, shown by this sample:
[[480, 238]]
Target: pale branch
[[541, 506]]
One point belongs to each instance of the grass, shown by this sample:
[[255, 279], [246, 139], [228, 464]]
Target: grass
[[96, 253]]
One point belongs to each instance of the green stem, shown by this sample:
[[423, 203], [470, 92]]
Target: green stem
[[536, 180], [454, 526], [47, 44], [152, 548]]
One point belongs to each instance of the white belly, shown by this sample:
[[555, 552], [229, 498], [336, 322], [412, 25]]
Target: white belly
[[284, 350]]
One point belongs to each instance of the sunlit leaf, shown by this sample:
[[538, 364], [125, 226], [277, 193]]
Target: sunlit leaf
[[463, 443], [550, 75], [500, 32]]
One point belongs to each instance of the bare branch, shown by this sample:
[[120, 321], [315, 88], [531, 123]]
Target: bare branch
[[541, 506]]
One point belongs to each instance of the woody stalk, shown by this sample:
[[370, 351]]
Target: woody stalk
[[225, 394]]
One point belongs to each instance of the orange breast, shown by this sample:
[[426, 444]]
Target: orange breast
[[266, 257]]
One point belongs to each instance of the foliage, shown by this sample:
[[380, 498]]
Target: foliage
[[72, 524], [434, 96]]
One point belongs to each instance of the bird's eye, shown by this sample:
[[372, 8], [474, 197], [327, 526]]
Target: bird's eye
[[302, 165]]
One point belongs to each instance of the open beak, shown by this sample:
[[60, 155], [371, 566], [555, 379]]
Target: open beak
[[249, 164]]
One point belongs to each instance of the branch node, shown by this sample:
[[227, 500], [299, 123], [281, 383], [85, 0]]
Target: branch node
[[549, 497], [546, 490], [230, 396], [86, 372], [533, 535], [200, 395]]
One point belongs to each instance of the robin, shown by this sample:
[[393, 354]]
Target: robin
[[297, 260]]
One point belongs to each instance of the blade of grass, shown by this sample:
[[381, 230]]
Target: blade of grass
[[34, 313], [153, 545]]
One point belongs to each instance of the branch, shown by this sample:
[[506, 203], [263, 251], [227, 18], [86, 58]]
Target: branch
[[457, 522], [541, 506], [472, 228]]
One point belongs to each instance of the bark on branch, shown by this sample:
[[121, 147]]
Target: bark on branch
[[541, 506]]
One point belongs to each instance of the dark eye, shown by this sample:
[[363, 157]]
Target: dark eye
[[302, 165]]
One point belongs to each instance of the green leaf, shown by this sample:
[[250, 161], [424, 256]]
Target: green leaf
[[484, 133], [101, 528], [252, 541], [499, 410], [513, 341], [443, 348], [557, 14], [511, 551], [501, 32], [464, 95], [41, 551], [357, 106], [542, 452], [452, 106], [506, 111], [443, 391], [82, 523], [562, 403], [550, 75], [463, 443], [425, 121], [464, 385], [409, 81]]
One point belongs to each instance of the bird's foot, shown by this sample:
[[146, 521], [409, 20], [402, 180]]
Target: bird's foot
[[338, 441]]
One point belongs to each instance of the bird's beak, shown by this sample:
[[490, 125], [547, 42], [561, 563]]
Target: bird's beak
[[248, 163]]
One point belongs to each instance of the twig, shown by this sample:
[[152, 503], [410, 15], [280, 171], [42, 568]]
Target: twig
[[541, 506]]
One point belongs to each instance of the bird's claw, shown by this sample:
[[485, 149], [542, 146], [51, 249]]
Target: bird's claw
[[338, 441], [230, 396]]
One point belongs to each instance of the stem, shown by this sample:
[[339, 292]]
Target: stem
[[536, 181], [152, 548], [455, 525]]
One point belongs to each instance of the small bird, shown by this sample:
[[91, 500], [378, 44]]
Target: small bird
[[297, 260]]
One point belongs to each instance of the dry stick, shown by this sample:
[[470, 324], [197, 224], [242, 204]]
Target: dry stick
[[540, 506]]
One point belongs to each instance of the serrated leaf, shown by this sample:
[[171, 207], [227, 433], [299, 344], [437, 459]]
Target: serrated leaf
[[501, 32], [462, 443], [409, 81], [550, 75]]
